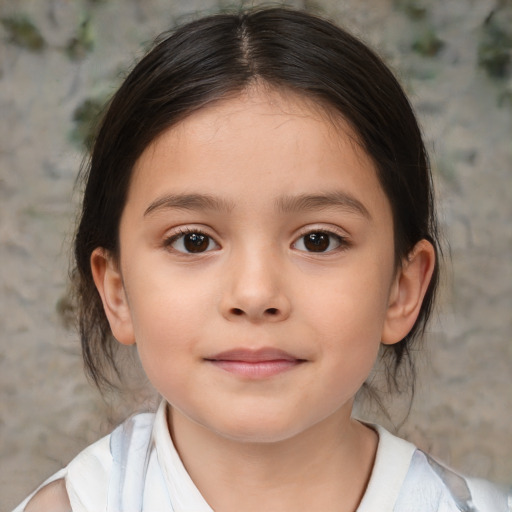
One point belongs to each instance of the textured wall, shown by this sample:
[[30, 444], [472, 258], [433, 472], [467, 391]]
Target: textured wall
[[59, 59]]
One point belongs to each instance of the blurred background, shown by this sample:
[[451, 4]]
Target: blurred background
[[61, 59]]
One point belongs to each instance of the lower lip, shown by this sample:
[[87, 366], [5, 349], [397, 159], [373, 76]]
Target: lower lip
[[256, 369]]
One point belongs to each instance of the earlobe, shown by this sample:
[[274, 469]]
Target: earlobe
[[109, 283], [408, 291]]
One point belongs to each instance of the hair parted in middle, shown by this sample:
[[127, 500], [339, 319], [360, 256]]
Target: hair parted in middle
[[217, 57]]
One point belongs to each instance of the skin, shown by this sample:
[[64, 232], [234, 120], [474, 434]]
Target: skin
[[284, 441], [52, 498]]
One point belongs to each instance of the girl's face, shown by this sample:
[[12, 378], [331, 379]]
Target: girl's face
[[256, 269]]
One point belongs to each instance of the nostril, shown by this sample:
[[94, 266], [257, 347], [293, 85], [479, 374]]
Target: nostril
[[268, 312]]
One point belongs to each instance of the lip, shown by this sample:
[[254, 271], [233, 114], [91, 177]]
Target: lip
[[255, 364]]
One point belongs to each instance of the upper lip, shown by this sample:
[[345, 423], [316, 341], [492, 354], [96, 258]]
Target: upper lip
[[253, 356]]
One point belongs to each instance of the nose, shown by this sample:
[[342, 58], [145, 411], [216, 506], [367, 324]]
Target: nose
[[254, 289]]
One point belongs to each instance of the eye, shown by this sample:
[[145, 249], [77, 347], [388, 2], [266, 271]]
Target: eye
[[319, 241], [192, 242]]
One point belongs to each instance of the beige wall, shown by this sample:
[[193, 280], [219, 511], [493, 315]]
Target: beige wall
[[462, 412]]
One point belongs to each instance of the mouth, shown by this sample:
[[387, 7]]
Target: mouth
[[255, 364]]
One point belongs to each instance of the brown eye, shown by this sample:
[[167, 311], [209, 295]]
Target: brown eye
[[192, 243], [318, 241], [196, 242]]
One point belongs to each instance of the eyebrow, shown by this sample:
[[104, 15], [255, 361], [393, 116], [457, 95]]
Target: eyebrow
[[310, 202], [285, 204], [189, 202]]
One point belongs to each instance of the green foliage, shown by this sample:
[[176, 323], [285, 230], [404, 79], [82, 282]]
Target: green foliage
[[83, 43], [505, 98], [414, 9], [22, 32], [495, 45], [86, 118], [314, 7], [427, 43]]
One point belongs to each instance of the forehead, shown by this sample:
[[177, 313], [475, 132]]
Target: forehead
[[275, 142]]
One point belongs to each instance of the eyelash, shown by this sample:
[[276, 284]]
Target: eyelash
[[182, 233], [341, 240]]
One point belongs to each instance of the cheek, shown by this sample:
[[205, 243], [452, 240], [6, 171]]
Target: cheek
[[350, 348], [163, 299], [170, 312], [346, 315], [352, 299]]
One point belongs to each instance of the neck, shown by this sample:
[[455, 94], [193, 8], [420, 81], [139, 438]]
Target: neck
[[326, 467]]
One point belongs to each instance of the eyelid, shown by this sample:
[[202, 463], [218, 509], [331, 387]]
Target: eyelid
[[328, 229], [335, 231], [331, 230]]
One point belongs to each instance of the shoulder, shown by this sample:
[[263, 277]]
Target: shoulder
[[103, 468], [82, 480], [98, 458], [429, 482], [84, 483], [404, 478], [53, 497]]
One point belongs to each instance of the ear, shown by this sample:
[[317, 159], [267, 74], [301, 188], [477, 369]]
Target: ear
[[109, 283], [407, 293]]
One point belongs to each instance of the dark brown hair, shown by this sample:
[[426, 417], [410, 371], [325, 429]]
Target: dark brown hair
[[221, 55]]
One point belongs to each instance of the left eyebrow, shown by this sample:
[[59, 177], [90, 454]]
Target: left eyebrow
[[189, 202], [337, 200]]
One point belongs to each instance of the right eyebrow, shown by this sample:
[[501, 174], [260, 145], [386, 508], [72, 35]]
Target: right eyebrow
[[329, 200], [189, 202]]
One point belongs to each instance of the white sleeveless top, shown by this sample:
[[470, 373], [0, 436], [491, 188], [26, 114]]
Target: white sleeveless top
[[137, 469]]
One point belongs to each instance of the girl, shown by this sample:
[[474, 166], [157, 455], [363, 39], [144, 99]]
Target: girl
[[258, 221]]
